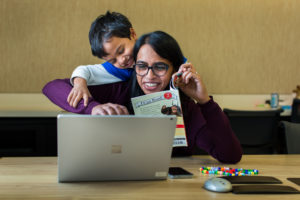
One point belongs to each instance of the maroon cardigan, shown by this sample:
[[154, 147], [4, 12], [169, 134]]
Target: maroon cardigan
[[206, 125]]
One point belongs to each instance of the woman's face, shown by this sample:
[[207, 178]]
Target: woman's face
[[151, 83]]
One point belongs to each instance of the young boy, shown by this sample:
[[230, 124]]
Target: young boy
[[112, 38]]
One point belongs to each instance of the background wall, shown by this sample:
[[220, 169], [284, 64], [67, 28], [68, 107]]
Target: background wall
[[238, 46]]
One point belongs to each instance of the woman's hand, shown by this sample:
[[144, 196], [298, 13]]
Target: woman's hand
[[78, 92], [110, 109], [191, 83]]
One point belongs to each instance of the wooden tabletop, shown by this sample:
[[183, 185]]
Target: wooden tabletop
[[36, 178]]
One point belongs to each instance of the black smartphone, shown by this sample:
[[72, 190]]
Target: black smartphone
[[178, 172]]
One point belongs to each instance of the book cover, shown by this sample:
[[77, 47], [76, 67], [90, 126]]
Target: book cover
[[163, 103]]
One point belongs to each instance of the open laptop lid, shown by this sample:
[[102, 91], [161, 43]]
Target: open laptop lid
[[99, 148]]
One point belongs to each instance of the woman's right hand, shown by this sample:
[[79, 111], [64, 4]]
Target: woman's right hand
[[110, 109], [191, 83], [78, 92]]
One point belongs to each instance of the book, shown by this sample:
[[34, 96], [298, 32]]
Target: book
[[163, 103]]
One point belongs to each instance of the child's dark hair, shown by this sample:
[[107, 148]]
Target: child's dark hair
[[106, 26]]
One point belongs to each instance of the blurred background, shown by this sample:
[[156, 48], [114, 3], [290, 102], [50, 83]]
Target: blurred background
[[239, 47]]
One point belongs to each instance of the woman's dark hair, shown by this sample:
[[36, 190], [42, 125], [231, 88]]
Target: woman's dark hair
[[165, 46], [105, 27]]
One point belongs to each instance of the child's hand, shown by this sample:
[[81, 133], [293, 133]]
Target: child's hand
[[78, 92]]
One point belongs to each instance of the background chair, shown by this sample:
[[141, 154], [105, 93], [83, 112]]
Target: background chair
[[295, 117], [256, 130], [292, 136]]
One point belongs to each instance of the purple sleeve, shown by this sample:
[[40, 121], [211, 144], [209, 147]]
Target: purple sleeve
[[58, 90], [208, 127]]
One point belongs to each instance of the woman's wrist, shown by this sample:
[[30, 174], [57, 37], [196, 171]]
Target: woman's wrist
[[203, 100]]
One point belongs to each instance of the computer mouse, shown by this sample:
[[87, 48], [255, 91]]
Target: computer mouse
[[216, 184]]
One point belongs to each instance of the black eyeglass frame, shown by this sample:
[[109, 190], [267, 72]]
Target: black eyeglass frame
[[152, 68]]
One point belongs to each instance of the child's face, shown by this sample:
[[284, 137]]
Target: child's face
[[120, 51]]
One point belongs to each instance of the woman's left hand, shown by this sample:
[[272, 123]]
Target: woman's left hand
[[191, 83]]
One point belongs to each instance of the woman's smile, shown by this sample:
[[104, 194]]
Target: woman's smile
[[151, 86], [150, 82]]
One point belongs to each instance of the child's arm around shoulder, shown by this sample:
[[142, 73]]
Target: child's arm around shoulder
[[95, 74], [87, 75], [57, 91]]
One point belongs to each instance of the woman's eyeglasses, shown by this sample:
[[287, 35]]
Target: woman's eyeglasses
[[159, 69]]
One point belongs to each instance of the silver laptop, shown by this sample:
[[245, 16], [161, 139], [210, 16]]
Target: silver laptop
[[106, 148]]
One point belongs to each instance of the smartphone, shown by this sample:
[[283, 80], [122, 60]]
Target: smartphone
[[178, 172]]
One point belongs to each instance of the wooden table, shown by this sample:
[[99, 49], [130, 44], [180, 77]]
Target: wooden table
[[36, 178]]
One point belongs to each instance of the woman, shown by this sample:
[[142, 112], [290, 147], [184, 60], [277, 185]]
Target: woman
[[158, 57]]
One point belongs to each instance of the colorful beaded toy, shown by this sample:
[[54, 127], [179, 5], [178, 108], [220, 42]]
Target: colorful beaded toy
[[226, 171]]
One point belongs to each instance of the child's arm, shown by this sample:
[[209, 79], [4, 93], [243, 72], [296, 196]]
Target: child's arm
[[87, 75], [95, 74], [58, 90]]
